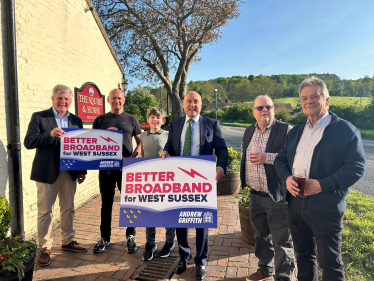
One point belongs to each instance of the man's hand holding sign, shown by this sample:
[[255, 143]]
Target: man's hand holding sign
[[219, 171], [195, 135], [170, 193]]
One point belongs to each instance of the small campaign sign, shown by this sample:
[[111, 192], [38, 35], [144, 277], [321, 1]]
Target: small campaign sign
[[169, 192], [89, 102], [91, 149], [216, 108]]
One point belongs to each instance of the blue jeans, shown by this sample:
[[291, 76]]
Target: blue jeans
[[151, 235]]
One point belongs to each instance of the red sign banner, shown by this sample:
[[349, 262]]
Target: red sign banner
[[90, 103]]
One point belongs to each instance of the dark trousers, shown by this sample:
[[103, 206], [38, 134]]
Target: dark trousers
[[274, 248], [202, 237], [316, 231], [107, 182]]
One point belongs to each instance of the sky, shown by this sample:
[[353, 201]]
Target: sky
[[292, 37]]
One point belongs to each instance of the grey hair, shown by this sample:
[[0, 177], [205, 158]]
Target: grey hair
[[314, 81], [156, 111], [59, 88], [262, 96]]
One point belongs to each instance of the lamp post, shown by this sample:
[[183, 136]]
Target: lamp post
[[161, 95], [215, 91], [167, 102], [124, 84]]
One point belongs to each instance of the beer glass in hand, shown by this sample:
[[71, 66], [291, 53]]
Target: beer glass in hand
[[299, 176]]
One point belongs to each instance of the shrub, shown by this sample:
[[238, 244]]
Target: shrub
[[5, 217], [283, 115], [234, 160], [14, 251]]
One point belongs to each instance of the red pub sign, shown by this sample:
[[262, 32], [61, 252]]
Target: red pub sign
[[90, 103]]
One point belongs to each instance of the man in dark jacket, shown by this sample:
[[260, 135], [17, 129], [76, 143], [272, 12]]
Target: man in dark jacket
[[330, 152], [267, 206], [44, 133]]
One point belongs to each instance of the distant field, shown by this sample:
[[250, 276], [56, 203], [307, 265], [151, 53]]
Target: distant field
[[366, 134], [333, 101]]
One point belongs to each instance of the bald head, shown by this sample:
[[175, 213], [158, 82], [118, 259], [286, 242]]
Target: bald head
[[116, 91], [192, 95], [116, 99], [192, 104]]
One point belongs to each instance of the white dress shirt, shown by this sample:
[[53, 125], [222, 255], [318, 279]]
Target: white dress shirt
[[195, 138], [309, 139]]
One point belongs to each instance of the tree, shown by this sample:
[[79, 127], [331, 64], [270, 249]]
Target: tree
[[154, 37], [207, 90], [251, 77], [138, 101], [223, 81], [264, 86], [241, 92]]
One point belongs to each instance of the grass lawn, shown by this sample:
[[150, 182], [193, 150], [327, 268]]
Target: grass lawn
[[235, 124], [333, 100], [358, 237], [367, 134]]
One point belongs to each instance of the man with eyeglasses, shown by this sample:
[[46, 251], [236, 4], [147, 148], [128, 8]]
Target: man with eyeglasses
[[267, 205]]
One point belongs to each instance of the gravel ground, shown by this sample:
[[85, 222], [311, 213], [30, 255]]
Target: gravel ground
[[234, 137]]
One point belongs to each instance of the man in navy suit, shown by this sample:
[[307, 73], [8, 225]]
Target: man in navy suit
[[203, 134]]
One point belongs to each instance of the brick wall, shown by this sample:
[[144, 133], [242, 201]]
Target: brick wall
[[58, 42]]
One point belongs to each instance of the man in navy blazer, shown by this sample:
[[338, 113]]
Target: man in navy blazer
[[206, 136], [43, 134]]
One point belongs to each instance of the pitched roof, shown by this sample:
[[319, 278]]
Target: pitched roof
[[205, 101], [286, 106]]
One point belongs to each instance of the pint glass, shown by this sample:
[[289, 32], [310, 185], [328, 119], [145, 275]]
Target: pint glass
[[299, 175]]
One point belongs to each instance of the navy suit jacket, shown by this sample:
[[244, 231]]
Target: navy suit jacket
[[46, 165], [210, 138]]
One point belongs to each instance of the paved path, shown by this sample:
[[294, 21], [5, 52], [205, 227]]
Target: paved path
[[234, 138], [229, 257]]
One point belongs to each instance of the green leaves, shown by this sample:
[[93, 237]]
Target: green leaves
[[5, 216], [14, 252], [234, 160], [138, 101], [358, 237]]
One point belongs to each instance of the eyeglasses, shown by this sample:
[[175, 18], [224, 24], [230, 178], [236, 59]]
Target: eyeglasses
[[260, 108]]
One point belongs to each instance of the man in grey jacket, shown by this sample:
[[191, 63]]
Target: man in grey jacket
[[330, 151]]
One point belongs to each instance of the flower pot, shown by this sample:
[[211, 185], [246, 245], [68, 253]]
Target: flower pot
[[6, 275], [229, 185], [245, 225]]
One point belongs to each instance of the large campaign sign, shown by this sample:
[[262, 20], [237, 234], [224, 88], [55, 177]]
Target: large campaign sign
[[169, 192], [91, 149]]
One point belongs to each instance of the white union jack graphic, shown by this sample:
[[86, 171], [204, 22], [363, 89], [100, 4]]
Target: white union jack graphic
[[207, 217]]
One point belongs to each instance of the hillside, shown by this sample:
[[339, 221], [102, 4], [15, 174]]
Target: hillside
[[334, 100], [240, 89]]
